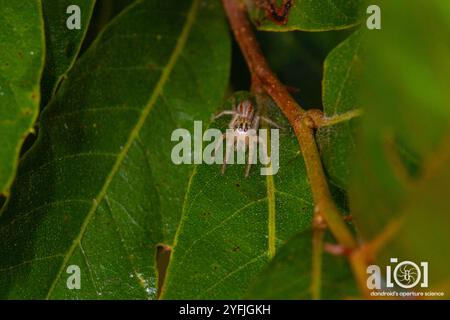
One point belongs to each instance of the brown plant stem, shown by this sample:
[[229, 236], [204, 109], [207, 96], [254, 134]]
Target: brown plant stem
[[303, 122], [346, 116], [258, 66], [316, 265], [324, 205]]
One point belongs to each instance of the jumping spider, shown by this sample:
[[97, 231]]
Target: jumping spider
[[245, 116]]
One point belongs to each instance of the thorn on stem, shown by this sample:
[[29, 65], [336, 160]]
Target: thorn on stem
[[319, 222]]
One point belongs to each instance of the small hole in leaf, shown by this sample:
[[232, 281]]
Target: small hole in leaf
[[206, 214]]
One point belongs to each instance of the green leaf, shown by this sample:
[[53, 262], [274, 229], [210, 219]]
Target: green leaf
[[232, 225], [21, 63], [288, 276], [401, 174], [62, 44], [99, 189], [104, 12], [287, 51], [305, 15], [342, 74]]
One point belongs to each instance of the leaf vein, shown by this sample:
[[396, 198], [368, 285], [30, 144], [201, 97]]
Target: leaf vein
[[240, 268], [134, 133]]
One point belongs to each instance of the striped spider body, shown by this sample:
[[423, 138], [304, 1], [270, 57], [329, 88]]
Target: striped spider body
[[244, 117]]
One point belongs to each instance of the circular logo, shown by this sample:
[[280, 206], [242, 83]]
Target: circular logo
[[407, 274]]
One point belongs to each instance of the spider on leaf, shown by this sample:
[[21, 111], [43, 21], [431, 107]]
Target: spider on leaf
[[244, 125]]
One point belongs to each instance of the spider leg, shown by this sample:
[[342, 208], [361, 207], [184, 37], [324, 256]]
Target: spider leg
[[232, 123], [219, 144], [265, 152], [268, 121], [255, 124], [224, 113], [252, 141], [247, 168], [229, 150]]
